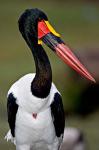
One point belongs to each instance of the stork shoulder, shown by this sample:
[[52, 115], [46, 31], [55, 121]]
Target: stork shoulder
[[52, 93], [22, 83]]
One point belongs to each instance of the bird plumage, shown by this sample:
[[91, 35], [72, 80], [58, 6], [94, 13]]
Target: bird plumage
[[35, 110], [31, 99], [40, 131]]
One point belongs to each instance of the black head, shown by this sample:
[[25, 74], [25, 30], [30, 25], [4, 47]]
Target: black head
[[35, 28], [28, 22]]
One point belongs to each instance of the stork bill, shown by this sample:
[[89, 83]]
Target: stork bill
[[49, 36]]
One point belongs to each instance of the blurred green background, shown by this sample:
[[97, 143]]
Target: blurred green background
[[78, 24]]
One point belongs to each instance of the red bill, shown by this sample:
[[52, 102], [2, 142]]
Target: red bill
[[52, 39]]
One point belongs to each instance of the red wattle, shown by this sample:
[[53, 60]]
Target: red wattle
[[42, 29]]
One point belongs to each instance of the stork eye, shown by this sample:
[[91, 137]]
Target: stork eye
[[39, 19]]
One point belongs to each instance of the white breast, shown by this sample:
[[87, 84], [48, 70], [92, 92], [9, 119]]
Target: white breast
[[24, 98], [29, 129]]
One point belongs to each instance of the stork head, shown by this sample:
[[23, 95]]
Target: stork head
[[35, 24]]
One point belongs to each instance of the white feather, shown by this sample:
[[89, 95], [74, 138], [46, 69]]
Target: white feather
[[9, 137], [28, 130]]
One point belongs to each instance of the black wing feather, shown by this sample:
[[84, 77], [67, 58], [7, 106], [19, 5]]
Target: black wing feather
[[12, 108], [58, 115]]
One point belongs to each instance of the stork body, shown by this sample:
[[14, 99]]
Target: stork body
[[35, 110], [33, 131]]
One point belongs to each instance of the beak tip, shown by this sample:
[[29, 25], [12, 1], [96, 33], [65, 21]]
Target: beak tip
[[94, 80]]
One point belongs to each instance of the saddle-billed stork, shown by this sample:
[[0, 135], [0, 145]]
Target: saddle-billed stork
[[34, 105]]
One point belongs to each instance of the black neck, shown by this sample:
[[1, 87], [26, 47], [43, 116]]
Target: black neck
[[28, 25], [41, 84]]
